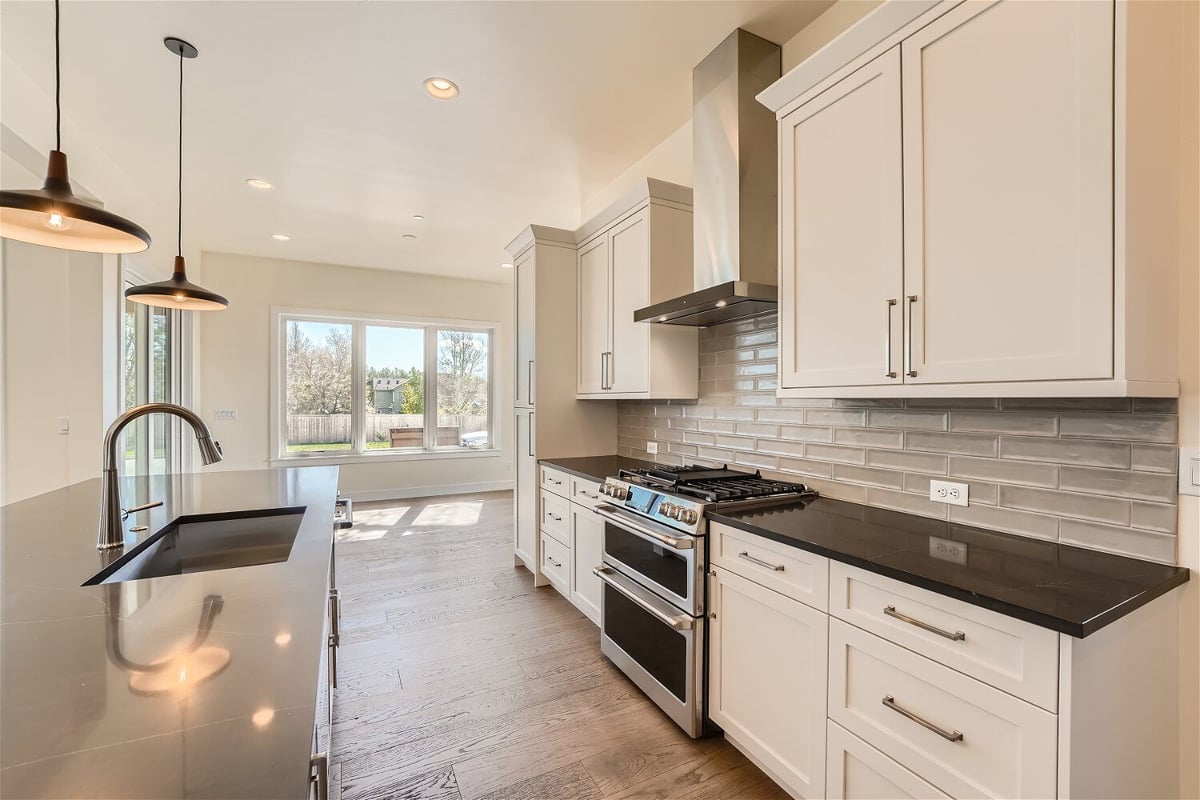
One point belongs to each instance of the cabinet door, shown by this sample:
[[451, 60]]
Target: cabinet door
[[525, 527], [586, 554], [857, 771], [524, 276], [767, 679], [629, 361], [594, 303], [841, 247], [1008, 192]]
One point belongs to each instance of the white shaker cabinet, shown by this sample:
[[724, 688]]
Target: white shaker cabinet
[[767, 679], [636, 253], [587, 553], [976, 199], [525, 494]]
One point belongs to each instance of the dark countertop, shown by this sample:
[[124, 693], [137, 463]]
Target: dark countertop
[[85, 709], [1072, 590], [596, 468]]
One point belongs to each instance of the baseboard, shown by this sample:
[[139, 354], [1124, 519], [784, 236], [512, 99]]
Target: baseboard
[[412, 492]]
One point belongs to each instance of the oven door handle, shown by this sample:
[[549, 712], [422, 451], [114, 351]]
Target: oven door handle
[[680, 622], [673, 542]]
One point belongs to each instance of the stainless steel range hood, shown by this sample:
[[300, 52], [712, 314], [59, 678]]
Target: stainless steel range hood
[[735, 201]]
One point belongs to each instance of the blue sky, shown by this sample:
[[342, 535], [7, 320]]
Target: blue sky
[[386, 347]]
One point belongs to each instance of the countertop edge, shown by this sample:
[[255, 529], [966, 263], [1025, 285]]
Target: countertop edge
[[558, 464], [1078, 631]]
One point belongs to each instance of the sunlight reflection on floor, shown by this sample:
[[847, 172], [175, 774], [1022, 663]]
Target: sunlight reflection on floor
[[456, 514], [373, 523]]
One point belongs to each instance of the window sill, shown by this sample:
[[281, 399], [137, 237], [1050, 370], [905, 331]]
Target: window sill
[[326, 459]]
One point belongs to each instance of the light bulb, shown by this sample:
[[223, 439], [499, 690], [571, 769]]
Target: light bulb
[[180, 297], [55, 221]]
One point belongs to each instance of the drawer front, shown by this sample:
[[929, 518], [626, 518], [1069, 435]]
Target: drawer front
[[585, 492], [556, 564], [1012, 655], [796, 573], [556, 517], [967, 738], [857, 771], [556, 481]]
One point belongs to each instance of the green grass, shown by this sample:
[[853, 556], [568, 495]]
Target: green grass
[[316, 448]]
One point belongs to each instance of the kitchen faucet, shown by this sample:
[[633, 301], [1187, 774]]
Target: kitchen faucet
[[112, 515]]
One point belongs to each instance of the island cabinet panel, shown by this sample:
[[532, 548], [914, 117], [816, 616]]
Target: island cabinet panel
[[840, 323], [975, 200], [767, 677], [857, 771], [1008, 193]]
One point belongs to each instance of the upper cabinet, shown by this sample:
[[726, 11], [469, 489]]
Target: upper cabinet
[[958, 210], [636, 253]]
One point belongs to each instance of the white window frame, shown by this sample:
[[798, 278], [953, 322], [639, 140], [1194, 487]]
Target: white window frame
[[359, 322]]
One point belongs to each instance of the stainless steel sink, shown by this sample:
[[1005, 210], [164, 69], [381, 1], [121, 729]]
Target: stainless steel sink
[[202, 542]]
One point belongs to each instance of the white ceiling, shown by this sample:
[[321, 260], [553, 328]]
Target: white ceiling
[[325, 100]]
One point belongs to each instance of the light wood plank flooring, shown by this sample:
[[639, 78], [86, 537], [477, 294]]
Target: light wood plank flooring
[[460, 681]]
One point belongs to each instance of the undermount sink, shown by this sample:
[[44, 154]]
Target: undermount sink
[[201, 542]]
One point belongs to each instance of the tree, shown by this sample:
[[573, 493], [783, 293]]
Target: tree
[[414, 393], [318, 375], [462, 372]]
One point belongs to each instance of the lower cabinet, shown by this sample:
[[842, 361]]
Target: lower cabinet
[[587, 533], [856, 771], [767, 679]]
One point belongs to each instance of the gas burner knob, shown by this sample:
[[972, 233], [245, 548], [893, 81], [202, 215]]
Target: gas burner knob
[[687, 516], [667, 509], [604, 488], [619, 492]]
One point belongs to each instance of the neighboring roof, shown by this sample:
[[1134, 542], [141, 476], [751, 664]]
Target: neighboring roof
[[389, 383]]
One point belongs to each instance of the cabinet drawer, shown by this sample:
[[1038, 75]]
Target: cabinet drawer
[[556, 564], [556, 517], [967, 738], [796, 573], [556, 481], [585, 492], [1012, 655], [857, 771]]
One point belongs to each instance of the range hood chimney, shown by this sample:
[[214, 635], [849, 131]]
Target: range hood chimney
[[735, 194]]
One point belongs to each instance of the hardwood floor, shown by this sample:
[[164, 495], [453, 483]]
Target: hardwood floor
[[460, 681]]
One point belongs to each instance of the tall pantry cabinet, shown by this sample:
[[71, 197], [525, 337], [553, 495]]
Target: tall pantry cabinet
[[548, 421]]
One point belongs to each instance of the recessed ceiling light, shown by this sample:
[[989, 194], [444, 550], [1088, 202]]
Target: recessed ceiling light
[[418, 217], [506, 265], [409, 236], [281, 237], [441, 88], [259, 183]]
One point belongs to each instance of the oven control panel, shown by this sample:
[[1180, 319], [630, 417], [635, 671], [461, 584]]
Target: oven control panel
[[677, 512]]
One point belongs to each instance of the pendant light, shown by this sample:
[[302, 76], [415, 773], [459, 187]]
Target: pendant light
[[53, 216], [177, 291]]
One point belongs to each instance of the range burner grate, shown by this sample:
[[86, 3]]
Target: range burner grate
[[714, 485]]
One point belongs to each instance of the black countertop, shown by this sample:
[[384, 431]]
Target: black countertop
[[596, 468], [104, 693], [1072, 590]]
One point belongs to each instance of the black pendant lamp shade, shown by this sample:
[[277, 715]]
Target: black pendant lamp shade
[[53, 216], [177, 291]]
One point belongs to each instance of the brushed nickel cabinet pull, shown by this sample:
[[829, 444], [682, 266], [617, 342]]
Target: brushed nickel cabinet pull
[[956, 636], [760, 562], [888, 372], [949, 736], [529, 382], [908, 356]]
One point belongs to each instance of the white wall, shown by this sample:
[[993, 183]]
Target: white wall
[[52, 349], [236, 351]]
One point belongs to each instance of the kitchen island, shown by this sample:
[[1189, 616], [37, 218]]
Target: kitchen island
[[201, 684]]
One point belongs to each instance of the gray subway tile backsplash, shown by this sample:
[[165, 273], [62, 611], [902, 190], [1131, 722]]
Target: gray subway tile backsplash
[[1094, 472]]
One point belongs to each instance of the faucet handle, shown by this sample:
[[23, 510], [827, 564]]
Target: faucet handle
[[152, 504]]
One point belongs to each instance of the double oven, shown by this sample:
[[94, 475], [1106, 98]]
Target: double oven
[[652, 607]]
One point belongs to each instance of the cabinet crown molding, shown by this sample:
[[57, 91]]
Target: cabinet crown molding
[[646, 190], [539, 234]]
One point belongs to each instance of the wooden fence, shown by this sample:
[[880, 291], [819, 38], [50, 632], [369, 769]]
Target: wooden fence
[[335, 428]]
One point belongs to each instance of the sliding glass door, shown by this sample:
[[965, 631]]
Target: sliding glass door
[[150, 374]]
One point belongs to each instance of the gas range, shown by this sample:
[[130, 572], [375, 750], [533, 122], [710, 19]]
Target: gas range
[[679, 496]]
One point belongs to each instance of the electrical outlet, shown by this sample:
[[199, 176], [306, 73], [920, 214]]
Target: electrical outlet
[[652, 448], [1189, 471], [64, 424], [948, 550], [954, 494], [225, 414]]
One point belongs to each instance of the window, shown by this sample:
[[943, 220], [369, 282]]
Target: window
[[365, 386], [150, 374]]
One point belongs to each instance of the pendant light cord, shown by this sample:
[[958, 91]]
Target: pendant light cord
[[179, 221], [57, 82]]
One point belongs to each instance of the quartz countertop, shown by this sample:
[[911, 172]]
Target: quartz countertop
[[1072, 590], [596, 468], [117, 691]]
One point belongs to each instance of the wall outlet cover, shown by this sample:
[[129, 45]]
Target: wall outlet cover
[[225, 414], [1189, 471], [652, 448], [954, 494]]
